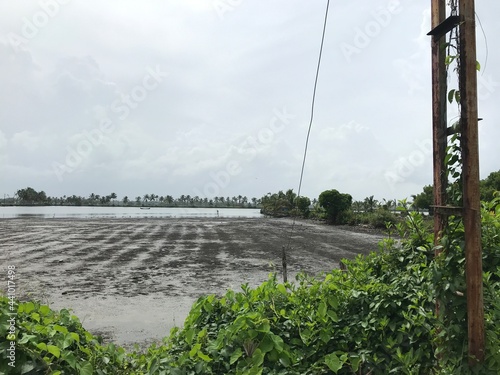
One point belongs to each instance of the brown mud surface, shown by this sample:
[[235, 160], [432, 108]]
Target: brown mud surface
[[132, 280]]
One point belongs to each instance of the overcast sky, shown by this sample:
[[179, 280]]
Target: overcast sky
[[213, 97]]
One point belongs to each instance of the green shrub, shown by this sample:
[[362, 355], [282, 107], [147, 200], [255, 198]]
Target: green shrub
[[49, 342], [381, 218]]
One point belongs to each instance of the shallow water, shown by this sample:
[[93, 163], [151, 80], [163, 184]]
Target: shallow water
[[88, 212]]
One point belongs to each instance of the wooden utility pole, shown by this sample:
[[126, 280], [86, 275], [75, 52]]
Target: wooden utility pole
[[471, 210], [470, 175], [439, 120]]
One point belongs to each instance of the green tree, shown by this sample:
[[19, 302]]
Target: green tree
[[30, 196], [424, 200], [335, 204], [370, 204], [302, 204], [489, 185]]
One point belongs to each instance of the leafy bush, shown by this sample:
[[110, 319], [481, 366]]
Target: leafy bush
[[49, 342], [378, 219]]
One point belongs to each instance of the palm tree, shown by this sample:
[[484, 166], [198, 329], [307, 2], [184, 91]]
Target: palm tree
[[357, 206], [389, 204], [370, 204], [145, 198], [125, 200], [138, 200]]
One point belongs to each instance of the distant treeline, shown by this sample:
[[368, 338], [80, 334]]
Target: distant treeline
[[31, 197]]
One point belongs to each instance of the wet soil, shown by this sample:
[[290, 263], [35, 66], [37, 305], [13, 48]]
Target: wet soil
[[132, 280]]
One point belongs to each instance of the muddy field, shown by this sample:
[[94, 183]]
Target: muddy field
[[132, 280]]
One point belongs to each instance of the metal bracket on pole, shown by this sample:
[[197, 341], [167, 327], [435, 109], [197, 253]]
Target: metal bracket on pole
[[445, 27]]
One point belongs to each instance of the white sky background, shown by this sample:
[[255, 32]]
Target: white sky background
[[212, 87]]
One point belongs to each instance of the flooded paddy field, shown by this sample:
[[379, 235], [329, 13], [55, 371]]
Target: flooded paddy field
[[132, 280]]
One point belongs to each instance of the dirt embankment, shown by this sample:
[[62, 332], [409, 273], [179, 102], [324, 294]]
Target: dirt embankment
[[131, 280]]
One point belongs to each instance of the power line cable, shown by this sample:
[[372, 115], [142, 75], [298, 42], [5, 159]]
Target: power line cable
[[313, 102], [485, 44]]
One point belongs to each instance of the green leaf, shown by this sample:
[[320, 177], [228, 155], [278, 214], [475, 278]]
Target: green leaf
[[449, 59], [44, 310], [282, 289], [85, 369], [355, 361], [322, 309], [333, 301], [333, 362], [194, 350], [204, 357], [333, 315], [61, 329], [26, 338], [54, 350], [324, 336], [235, 356], [35, 316], [254, 371], [267, 344], [305, 335], [190, 335], [75, 336], [42, 346], [28, 307], [257, 357], [451, 95], [264, 327], [478, 66], [278, 342], [68, 340], [70, 359], [285, 359]]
